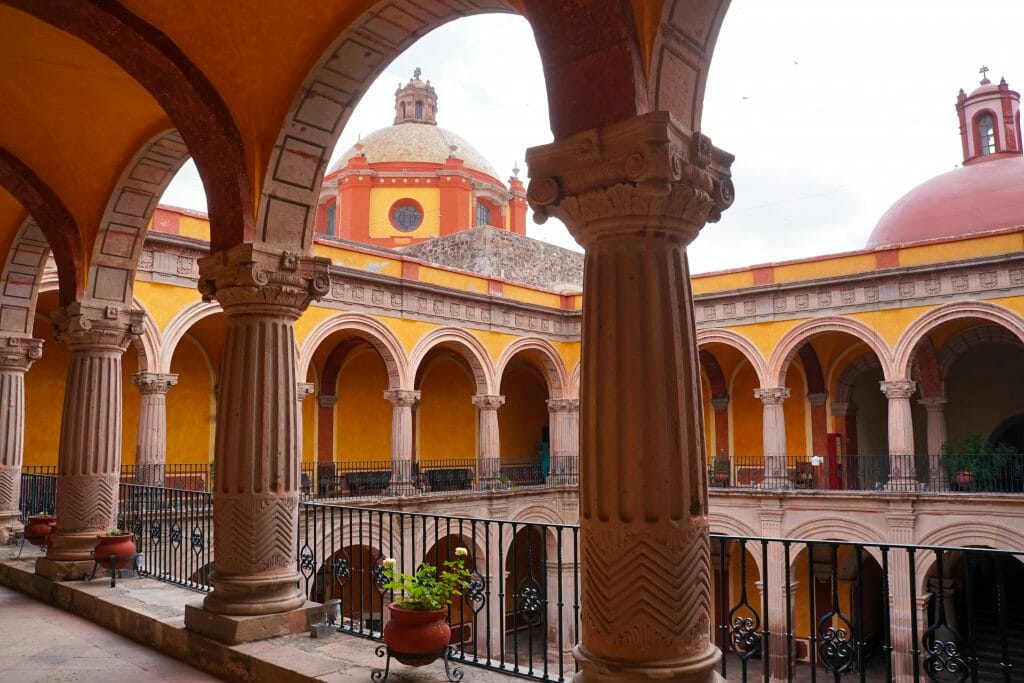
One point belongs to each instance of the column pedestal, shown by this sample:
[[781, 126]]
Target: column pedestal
[[402, 480], [488, 441], [774, 437], [902, 469], [634, 194], [151, 448], [16, 356]]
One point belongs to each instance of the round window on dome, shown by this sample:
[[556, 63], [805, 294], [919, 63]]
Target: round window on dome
[[406, 215]]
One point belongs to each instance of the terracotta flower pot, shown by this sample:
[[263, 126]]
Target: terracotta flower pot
[[39, 528], [964, 479], [121, 545], [417, 637]]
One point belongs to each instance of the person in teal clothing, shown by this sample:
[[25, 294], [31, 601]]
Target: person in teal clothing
[[544, 457]]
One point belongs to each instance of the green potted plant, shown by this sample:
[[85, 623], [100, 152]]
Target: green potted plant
[[720, 469], [418, 631], [975, 463], [118, 544]]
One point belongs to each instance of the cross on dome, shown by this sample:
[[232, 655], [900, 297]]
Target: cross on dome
[[984, 74]]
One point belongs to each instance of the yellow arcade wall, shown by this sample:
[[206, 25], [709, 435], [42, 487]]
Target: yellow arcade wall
[[524, 415], [446, 418], [362, 416], [191, 409], [746, 416]]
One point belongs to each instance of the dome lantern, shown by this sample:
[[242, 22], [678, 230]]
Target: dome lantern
[[989, 121], [416, 102]]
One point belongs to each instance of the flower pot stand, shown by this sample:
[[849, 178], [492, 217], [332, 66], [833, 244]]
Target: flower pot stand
[[119, 565], [451, 672]]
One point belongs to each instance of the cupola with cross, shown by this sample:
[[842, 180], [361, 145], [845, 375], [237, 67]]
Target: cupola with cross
[[989, 121], [416, 101]]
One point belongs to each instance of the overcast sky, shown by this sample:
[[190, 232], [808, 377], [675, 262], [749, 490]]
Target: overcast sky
[[833, 109]]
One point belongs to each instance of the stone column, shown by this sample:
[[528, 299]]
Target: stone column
[[151, 445], [16, 356], [564, 419], [634, 194], [89, 455], [902, 519], [256, 494], [819, 423], [488, 443], [936, 411], [771, 513], [773, 430], [402, 402], [902, 473], [559, 610], [720, 405]]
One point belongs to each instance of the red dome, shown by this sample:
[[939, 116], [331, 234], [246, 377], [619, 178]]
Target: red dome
[[978, 197]]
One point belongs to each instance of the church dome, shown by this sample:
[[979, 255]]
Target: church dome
[[416, 142], [970, 199]]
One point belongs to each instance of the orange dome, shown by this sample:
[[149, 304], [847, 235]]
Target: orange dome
[[974, 198]]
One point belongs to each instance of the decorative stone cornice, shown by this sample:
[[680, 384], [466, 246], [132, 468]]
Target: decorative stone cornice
[[326, 400], [632, 177], [771, 395], [402, 398], [818, 399], [720, 403], [562, 405], [154, 382], [901, 388], [92, 326], [255, 275], [18, 353], [304, 390], [488, 401]]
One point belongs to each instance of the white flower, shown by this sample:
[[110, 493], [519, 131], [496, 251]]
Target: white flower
[[390, 562], [461, 552]]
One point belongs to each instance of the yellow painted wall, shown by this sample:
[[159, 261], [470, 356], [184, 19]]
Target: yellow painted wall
[[448, 278], [823, 268], [129, 406], [524, 415], [381, 199], [165, 301], [961, 249], [796, 412], [446, 418], [746, 414], [197, 228], [362, 416], [191, 410], [374, 263], [44, 399], [307, 449], [532, 296], [721, 282]]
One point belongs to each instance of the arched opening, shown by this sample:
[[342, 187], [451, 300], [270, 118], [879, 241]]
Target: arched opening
[[523, 423], [525, 598], [352, 576], [464, 610], [445, 421]]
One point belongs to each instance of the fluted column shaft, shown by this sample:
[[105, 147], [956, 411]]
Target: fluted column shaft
[[488, 445], [89, 455], [773, 434], [634, 194], [402, 401], [902, 472], [16, 357], [564, 420], [256, 450], [151, 443], [936, 416]]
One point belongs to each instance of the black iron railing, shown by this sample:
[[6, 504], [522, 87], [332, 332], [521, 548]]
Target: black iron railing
[[38, 495], [913, 473], [520, 612]]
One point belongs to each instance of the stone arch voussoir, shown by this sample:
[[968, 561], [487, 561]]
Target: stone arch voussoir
[[787, 347], [551, 363], [741, 344], [375, 333], [469, 347]]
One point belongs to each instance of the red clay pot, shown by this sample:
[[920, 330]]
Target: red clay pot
[[417, 637], [39, 528], [122, 545]]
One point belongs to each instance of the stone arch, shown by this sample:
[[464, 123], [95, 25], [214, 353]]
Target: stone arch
[[812, 369], [324, 103], [791, 342], [976, 532], [573, 388], [844, 385], [55, 222], [466, 345], [925, 370], [716, 379], [839, 530], [373, 332], [22, 278], [125, 221], [539, 513], [916, 331], [552, 365], [148, 344], [180, 324], [966, 339], [738, 342], [193, 103], [725, 524]]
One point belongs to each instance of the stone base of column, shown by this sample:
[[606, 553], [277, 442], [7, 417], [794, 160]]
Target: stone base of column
[[70, 570], [700, 668], [10, 525], [903, 485], [777, 483], [402, 488], [267, 593], [232, 630]]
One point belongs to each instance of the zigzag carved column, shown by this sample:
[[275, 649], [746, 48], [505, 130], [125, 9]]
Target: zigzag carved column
[[402, 402], [634, 194], [488, 448], [89, 456], [16, 356], [256, 492], [151, 447]]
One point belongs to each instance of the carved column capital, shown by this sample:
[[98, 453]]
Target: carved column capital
[[631, 177], [901, 388], [303, 390], [18, 353], [934, 404], [720, 403], [84, 326], [154, 382], [326, 400], [402, 398], [563, 405], [250, 277], [818, 399], [488, 402], [771, 396]]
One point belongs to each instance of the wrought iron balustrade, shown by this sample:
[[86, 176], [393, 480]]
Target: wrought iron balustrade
[[38, 495]]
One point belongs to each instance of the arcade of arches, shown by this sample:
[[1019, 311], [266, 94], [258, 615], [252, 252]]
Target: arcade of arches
[[264, 344]]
